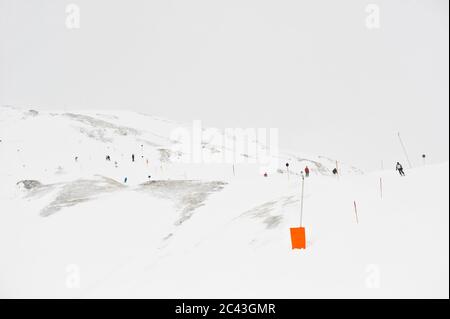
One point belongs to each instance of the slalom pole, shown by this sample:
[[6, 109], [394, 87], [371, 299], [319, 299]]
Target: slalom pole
[[356, 212], [298, 234], [337, 169], [404, 150], [381, 187], [301, 202]]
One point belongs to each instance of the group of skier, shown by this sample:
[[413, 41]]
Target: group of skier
[[108, 159], [306, 171]]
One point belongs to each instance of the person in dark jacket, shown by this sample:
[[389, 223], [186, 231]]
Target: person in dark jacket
[[307, 171], [399, 168]]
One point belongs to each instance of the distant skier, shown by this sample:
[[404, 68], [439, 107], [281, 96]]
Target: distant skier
[[265, 175], [399, 168], [307, 171], [76, 158], [125, 180], [335, 171], [132, 157], [108, 158]]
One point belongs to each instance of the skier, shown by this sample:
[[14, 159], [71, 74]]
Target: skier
[[108, 158], [76, 158], [399, 168], [132, 157], [307, 171], [125, 180], [265, 175], [335, 171]]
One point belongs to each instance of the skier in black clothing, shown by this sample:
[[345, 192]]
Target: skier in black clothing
[[132, 157], [399, 168]]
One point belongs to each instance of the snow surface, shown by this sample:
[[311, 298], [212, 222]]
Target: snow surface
[[74, 229]]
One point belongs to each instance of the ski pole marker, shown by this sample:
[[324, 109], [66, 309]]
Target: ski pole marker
[[298, 234]]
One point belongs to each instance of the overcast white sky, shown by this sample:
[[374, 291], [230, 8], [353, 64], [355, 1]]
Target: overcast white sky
[[311, 68]]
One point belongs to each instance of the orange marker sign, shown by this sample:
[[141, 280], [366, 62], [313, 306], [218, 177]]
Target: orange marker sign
[[298, 238]]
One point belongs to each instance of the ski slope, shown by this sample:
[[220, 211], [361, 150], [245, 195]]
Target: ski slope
[[198, 230]]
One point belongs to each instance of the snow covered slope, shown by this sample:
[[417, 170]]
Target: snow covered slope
[[74, 228]]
